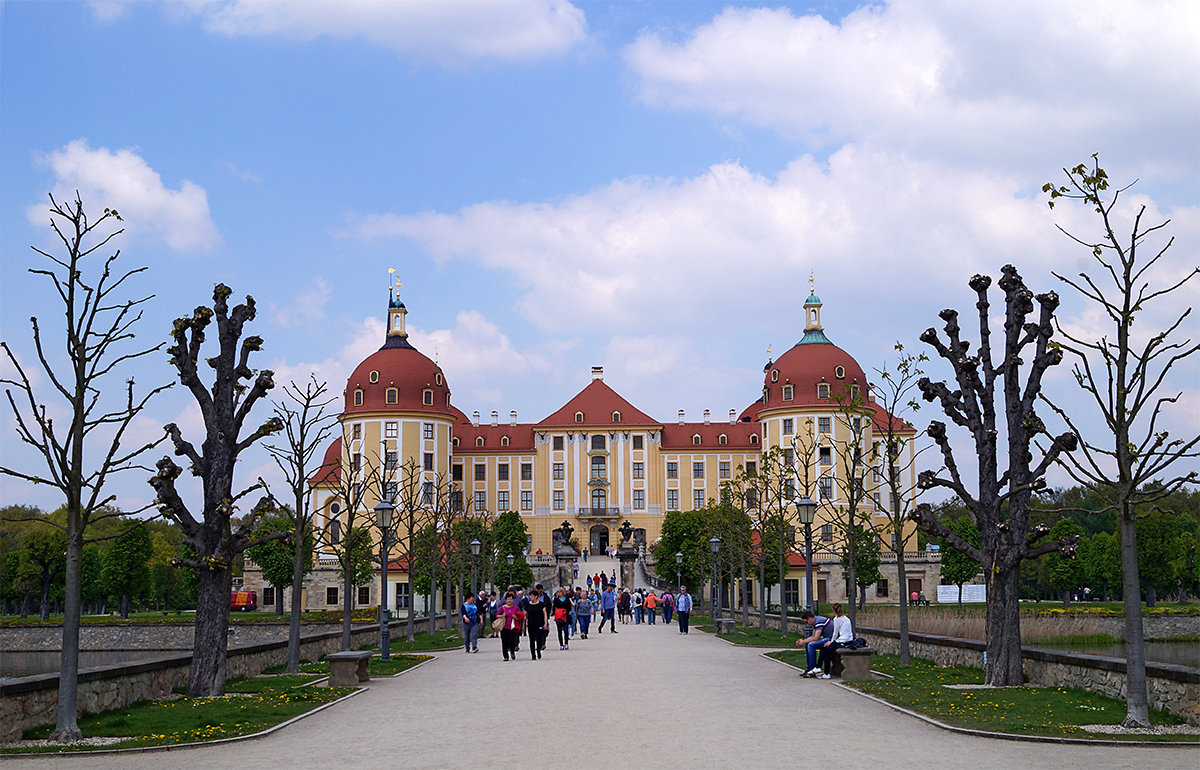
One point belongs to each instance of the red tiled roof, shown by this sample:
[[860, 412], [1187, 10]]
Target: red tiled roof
[[398, 365], [520, 438], [597, 402], [881, 418], [330, 469], [679, 437], [804, 366]]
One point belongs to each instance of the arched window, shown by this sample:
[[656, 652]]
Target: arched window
[[753, 438], [696, 439], [840, 372], [479, 441], [774, 375], [454, 441], [722, 439], [437, 379], [598, 441], [579, 417], [335, 532], [374, 377], [358, 395], [854, 392], [427, 397], [822, 390], [764, 396], [504, 441], [599, 499], [788, 392], [392, 395], [616, 417]]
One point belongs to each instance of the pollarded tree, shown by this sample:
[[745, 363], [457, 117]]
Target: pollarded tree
[[1001, 503], [82, 450], [1124, 377], [225, 406]]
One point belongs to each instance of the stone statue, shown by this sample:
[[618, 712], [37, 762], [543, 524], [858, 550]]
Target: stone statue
[[626, 530], [564, 532]]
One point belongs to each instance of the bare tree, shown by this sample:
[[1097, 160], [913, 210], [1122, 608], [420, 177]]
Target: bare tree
[[410, 516], [893, 446], [771, 492], [306, 426], [214, 537], [846, 473], [1125, 379], [1000, 507], [98, 325]]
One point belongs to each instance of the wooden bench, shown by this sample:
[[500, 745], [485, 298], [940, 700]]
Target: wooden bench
[[348, 668], [725, 626], [851, 665]]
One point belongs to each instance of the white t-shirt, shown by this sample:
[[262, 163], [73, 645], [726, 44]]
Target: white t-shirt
[[842, 631]]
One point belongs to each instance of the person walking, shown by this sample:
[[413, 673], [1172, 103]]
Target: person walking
[[623, 607], [683, 606], [470, 623], [608, 603], [511, 632], [537, 615], [583, 614], [651, 604], [585, 554], [637, 600], [575, 569], [561, 607]]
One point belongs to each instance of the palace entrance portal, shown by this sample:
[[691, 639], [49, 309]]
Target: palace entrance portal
[[599, 538]]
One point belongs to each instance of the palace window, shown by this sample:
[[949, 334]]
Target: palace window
[[504, 441], [698, 470], [579, 417], [502, 472], [335, 532], [599, 469], [696, 439], [751, 468], [597, 441], [881, 588], [374, 378], [392, 395], [753, 438], [853, 392], [437, 379], [427, 493], [697, 499], [672, 470], [526, 500], [722, 439], [479, 441], [356, 462], [268, 596], [364, 595], [427, 430], [481, 501], [823, 424], [358, 397], [774, 375], [751, 498], [789, 457], [526, 471], [672, 499], [616, 416], [428, 464], [638, 442], [502, 501], [558, 442], [456, 500], [558, 471], [331, 596], [826, 533], [639, 470], [788, 426], [822, 390], [825, 455], [390, 430], [723, 469], [389, 460], [788, 392], [427, 397], [559, 500], [639, 499], [840, 372], [480, 472], [454, 441], [825, 486]]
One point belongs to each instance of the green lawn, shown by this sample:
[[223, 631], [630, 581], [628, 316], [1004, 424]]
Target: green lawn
[[1050, 711], [753, 636], [377, 667]]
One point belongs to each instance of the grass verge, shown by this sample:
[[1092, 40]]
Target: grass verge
[[752, 636], [376, 666], [1044, 711]]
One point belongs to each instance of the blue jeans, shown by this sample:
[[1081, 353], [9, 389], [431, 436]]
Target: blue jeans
[[666, 613], [637, 614], [470, 636], [650, 615], [607, 617], [574, 622], [584, 622], [810, 652]]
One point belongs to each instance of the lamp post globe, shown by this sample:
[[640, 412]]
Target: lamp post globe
[[383, 519]]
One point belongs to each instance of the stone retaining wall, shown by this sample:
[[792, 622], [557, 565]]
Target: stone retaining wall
[[146, 636], [1172, 688], [29, 701]]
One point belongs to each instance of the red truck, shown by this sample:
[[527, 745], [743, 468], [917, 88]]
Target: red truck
[[245, 601]]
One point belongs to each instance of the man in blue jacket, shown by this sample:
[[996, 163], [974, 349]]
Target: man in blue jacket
[[608, 603], [821, 633]]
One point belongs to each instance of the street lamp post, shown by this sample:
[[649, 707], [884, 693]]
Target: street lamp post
[[383, 515], [475, 546], [678, 568], [715, 545], [510, 558], [807, 510]]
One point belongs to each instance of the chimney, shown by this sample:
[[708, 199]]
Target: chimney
[[732, 417], [512, 418], [681, 417], [475, 419], [706, 418], [597, 372], [495, 418]]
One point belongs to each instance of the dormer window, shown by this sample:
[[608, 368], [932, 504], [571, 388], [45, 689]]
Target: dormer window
[[427, 397], [504, 441], [696, 439], [722, 439], [454, 441], [358, 397], [479, 441], [579, 417], [822, 390], [753, 438], [788, 392], [774, 375], [374, 377], [764, 396], [392, 395], [616, 417], [853, 392], [437, 379], [840, 372]]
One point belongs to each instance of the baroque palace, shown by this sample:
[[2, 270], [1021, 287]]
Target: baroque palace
[[597, 461]]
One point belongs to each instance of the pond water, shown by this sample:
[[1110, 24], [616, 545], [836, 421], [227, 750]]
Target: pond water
[[1179, 653], [27, 663]]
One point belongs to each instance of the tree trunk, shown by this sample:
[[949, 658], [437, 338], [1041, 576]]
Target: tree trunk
[[66, 728], [124, 604], [1066, 598], [293, 664], [902, 584], [1003, 625], [279, 601], [347, 609], [207, 676], [1137, 709], [745, 595], [762, 594], [960, 585], [783, 618], [1151, 596], [44, 606]]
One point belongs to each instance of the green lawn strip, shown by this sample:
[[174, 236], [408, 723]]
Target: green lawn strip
[[438, 640], [1048, 711], [376, 666], [253, 705], [752, 636]]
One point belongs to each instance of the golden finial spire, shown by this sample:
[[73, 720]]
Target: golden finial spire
[[811, 285], [435, 354], [769, 353]]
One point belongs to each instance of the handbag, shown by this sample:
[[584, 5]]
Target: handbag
[[498, 625], [560, 613]]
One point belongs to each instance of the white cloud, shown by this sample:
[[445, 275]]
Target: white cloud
[[306, 307], [240, 173], [983, 82], [446, 32], [107, 11], [122, 180], [364, 339]]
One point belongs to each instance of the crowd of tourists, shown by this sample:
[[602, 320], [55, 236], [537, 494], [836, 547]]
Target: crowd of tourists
[[516, 614]]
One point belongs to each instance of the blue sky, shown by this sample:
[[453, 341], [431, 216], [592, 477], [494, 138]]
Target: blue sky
[[645, 186]]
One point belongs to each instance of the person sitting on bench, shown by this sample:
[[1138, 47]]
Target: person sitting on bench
[[843, 634]]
